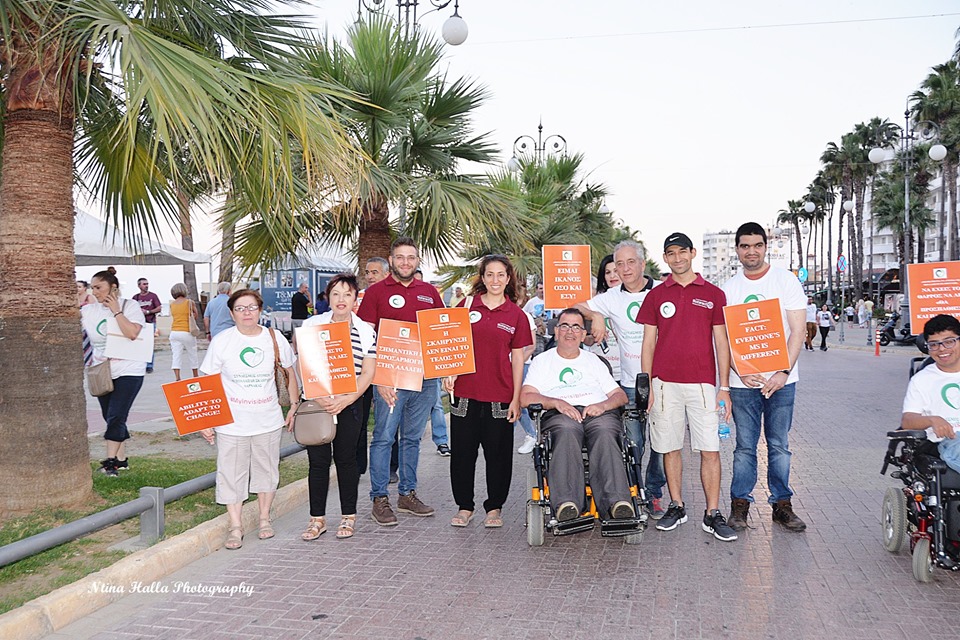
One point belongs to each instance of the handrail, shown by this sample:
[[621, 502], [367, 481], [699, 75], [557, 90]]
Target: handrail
[[149, 506]]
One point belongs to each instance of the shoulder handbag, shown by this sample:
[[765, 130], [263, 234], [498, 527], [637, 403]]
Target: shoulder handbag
[[279, 374], [195, 330], [99, 379], [312, 425]]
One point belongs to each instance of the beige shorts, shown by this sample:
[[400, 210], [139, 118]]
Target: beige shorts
[[674, 405], [247, 464]]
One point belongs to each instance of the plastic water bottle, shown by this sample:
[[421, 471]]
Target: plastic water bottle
[[724, 429]]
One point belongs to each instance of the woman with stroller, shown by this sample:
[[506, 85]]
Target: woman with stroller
[[485, 404]]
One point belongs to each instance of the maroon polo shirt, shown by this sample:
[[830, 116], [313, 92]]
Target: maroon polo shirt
[[684, 318], [495, 333], [390, 299]]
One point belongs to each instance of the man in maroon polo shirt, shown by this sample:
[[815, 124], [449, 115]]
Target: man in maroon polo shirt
[[683, 330], [398, 297]]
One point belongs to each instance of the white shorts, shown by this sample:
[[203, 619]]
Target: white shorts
[[247, 464], [674, 405], [183, 347]]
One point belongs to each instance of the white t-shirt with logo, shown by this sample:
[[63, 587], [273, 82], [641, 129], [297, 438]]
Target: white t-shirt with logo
[[96, 318], [246, 365], [583, 380], [613, 350], [622, 307], [775, 283], [811, 312], [933, 392]]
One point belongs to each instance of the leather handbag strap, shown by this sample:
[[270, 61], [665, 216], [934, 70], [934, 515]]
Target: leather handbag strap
[[276, 348]]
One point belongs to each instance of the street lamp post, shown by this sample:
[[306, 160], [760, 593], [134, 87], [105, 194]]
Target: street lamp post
[[929, 131], [454, 30], [538, 148]]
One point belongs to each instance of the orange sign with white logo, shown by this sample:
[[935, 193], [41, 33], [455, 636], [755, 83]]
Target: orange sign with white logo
[[934, 289], [446, 340], [566, 275], [198, 403], [399, 359], [758, 341], [325, 358]]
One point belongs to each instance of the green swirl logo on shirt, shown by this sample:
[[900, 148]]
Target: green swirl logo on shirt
[[944, 394], [102, 327], [633, 310], [753, 297], [251, 356], [570, 376]]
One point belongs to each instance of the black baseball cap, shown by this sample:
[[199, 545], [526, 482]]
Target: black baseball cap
[[679, 239]]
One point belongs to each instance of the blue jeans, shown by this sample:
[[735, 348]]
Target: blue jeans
[[525, 420], [749, 406], [438, 420], [153, 328], [950, 452], [409, 417], [115, 406], [655, 476]]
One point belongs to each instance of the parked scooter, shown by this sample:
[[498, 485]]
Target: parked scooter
[[888, 333]]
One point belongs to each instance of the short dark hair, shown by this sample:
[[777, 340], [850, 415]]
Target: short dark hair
[[942, 322], [139, 280], [510, 291], [107, 277], [574, 311], [403, 241], [239, 293], [750, 229], [348, 279]]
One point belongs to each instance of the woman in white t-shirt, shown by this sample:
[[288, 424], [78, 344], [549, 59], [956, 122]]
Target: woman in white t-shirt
[[248, 449], [127, 374], [825, 322]]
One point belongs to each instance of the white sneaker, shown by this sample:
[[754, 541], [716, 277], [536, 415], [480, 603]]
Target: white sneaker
[[529, 442]]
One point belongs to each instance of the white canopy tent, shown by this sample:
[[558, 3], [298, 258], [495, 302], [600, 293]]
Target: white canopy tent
[[96, 243]]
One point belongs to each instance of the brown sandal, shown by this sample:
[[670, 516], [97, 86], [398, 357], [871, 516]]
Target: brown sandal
[[266, 530], [316, 527], [234, 538], [347, 527]]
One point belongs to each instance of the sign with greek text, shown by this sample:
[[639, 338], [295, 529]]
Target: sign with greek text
[[566, 275], [758, 341], [399, 359], [446, 340], [198, 403], [325, 358], [934, 289]]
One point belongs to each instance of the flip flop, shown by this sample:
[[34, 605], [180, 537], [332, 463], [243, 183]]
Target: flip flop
[[493, 519], [460, 520]]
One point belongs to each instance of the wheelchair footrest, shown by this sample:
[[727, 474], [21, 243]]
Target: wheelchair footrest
[[577, 525], [622, 527]]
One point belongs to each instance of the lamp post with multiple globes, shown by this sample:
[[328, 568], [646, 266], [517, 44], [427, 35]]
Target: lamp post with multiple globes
[[454, 30]]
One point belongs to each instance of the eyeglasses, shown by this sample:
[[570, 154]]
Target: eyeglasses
[[563, 326], [252, 308], [949, 343]]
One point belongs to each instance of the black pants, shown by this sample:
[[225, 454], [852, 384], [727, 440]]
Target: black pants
[[345, 456], [115, 406], [366, 402], [823, 337], [467, 434]]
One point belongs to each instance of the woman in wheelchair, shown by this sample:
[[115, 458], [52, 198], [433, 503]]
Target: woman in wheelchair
[[581, 401]]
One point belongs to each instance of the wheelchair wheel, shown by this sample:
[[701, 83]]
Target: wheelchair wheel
[[922, 562], [894, 519], [535, 526], [634, 538]]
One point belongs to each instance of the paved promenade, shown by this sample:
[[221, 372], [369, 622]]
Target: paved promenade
[[426, 580]]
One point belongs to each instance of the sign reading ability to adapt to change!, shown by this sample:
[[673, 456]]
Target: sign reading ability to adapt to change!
[[198, 403], [446, 340], [325, 358], [399, 357], [757, 338], [566, 275], [934, 289]]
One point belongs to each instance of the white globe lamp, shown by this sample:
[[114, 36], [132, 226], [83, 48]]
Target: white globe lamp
[[455, 30]]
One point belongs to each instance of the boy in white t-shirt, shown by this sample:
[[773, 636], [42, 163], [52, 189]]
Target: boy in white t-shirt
[[932, 401]]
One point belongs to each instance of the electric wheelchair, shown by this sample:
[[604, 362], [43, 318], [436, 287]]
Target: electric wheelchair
[[540, 515], [927, 506]]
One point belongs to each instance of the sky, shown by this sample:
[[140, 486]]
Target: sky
[[696, 116]]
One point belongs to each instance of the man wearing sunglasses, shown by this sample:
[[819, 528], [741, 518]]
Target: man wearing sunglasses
[[580, 399], [933, 395]]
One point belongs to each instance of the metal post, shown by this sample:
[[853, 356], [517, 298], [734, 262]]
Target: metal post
[[907, 156], [151, 520]]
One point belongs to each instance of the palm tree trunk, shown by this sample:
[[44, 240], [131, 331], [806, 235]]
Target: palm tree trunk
[[857, 270], [43, 423], [829, 265], [227, 244], [375, 234], [186, 243], [952, 220], [941, 215]]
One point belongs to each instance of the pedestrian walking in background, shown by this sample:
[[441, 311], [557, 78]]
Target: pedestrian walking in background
[[825, 322], [183, 344]]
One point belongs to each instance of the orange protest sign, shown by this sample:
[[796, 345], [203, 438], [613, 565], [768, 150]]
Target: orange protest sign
[[446, 341], [198, 403], [566, 275], [758, 341], [325, 358], [399, 360], [934, 289]]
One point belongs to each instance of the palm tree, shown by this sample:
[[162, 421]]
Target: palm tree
[[888, 201], [107, 86], [794, 215], [415, 126]]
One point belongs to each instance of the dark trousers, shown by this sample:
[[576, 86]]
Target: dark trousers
[[115, 406], [467, 434], [823, 337], [366, 402], [345, 456]]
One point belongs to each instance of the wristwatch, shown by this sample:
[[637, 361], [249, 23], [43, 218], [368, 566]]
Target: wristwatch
[[786, 371], [724, 388]]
